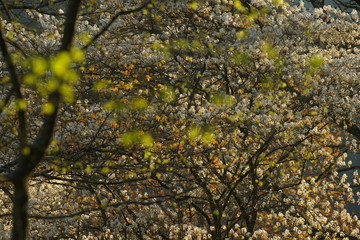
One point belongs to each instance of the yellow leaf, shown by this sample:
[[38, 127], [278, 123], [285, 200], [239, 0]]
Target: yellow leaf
[[60, 64], [29, 79], [39, 66], [25, 151], [238, 5], [52, 85], [241, 34], [147, 154], [84, 38], [316, 61], [105, 170], [20, 104], [194, 132], [193, 5], [147, 140], [88, 169], [48, 108], [77, 55], [67, 92], [139, 103], [283, 84]]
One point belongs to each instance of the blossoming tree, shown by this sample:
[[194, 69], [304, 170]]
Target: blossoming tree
[[179, 120]]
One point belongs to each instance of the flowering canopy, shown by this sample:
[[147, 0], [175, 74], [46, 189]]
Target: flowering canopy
[[182, 120]]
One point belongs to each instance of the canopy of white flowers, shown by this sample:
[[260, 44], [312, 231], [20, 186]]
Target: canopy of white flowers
[[206, 119]]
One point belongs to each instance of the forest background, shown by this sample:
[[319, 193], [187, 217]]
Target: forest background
[[179, 120]]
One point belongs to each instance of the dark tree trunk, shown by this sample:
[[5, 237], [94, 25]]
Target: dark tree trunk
[[318, 3], [20, 209], [27, 163]]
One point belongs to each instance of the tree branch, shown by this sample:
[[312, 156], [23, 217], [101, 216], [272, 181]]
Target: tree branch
[[22, 131], [102, 31], [27, 163]]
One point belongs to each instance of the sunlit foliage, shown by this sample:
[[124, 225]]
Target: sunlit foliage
[[183, 119]]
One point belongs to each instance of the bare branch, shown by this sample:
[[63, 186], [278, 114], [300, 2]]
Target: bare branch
[[22, 131], [126, 12]]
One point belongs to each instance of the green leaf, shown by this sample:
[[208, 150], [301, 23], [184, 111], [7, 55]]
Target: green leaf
[[52, 85], [105, 170], [84, 38], [48, 108], [167, 94], [77, 55], [103, 83], [257, 105], [222, 99], [238, 5], [67, 92], [194, 133], [208, 137], [147, 154], [136, 137], [71, 76], [270, 50], [39, 66], [241, 58], [30, 79], [139, 103], [60, 64], [241, 34], [278, 2], [272, 163], [88, 169], [110, 105], [25, 151], [147, 140], [316, 61], [20, 104], [193, 5], [283, 84], [127, 139]]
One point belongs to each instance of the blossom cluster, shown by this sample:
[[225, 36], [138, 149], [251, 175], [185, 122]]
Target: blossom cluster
[[197, 120]]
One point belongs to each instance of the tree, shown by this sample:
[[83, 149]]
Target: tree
[[30, 154], [341, 4], [192, 120]]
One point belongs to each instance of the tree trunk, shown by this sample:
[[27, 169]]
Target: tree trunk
[[317, 3], [20, 219]]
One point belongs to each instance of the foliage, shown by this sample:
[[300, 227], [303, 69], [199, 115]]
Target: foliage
[[181, 120]]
